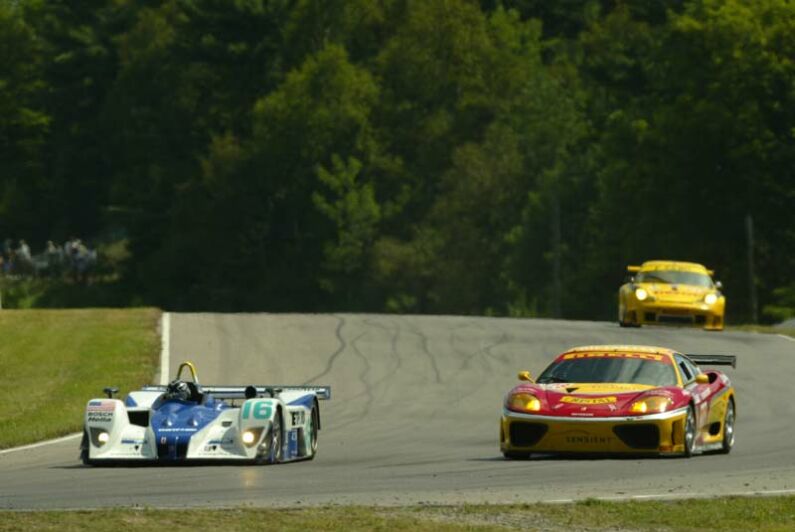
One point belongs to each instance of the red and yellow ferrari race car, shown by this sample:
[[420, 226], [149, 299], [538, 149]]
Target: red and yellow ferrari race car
[[670, 292], [621, 399]]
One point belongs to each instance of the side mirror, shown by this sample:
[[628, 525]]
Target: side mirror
[[702, 378], [110, 390], [525, 376], [719, 285]]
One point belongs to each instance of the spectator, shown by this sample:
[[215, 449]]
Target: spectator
[[24, 262], [8, 247], [82, 260], [53, 256]]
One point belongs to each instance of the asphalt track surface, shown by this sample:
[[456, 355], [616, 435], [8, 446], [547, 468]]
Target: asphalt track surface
[[414, 417]]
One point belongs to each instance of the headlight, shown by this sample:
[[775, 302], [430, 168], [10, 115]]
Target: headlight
[[641, 294], [99, 437], [251, 436], [710, 299], [651, 405], [526, 402]]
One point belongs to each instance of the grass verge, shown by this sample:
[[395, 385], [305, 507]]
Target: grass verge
[[55, 360], [766, 329], [729, 513]]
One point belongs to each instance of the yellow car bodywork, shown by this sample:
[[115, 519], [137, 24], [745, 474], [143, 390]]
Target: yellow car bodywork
[[611, 434], [653, 296]]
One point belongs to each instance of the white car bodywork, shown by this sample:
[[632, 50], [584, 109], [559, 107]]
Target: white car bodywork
[[260, 424]]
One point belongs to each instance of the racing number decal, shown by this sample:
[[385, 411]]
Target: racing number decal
[[257, 410]]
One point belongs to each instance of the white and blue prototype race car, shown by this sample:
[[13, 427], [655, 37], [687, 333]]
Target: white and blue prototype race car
[[185, 421]]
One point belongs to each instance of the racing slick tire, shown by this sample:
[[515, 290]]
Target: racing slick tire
[[728, 429], [276, 443], [514, 455], [622, 318], [314, 418], [84, 450], [690, 432]]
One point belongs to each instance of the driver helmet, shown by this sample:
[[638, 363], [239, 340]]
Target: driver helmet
[[179, 390]]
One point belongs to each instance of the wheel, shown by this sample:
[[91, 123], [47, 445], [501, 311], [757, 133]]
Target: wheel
[[514, 455], [84, 450], [275, 445], [313, 425], [622, 317], [728, 428], [690, 432]]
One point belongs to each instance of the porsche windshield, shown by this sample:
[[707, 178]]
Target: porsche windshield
[[674, 277], [610, 369]]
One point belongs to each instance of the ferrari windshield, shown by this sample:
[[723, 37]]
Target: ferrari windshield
[[610, 369], [674, 277]]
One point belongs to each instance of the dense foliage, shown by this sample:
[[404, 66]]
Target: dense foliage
[[444, 156]]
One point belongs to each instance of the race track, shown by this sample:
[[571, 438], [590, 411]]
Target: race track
[[414, 417]]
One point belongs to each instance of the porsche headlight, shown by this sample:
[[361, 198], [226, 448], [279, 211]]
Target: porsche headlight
[[641, 294], [651, 405], [103, 438], [525, 402], [711, 298]]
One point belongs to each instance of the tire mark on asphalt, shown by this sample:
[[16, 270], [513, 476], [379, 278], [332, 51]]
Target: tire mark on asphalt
[[502, 359], [466, 356], [334, 355], [393, 354], [426, 350], [368, 389]]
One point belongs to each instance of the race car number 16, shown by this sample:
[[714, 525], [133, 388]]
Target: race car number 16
[[257, 410]]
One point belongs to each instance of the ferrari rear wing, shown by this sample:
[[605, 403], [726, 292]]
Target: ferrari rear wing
[[246, 392], [714, 360]]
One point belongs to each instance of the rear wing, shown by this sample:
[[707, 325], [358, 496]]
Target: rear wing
[[248, 392], [714, 360], [633, 269]]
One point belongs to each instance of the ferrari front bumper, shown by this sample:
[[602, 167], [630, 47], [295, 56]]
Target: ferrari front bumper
[[661, 433]]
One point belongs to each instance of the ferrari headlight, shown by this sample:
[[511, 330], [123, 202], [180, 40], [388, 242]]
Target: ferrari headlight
[[248, 437], [711, 298], [525, 402], [641, 294], [651, 405]]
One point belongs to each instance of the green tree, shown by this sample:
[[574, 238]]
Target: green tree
[[24, 123]]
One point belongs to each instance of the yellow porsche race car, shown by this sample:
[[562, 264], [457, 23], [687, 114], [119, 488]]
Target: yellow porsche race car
[[670, 292], [621, 399]]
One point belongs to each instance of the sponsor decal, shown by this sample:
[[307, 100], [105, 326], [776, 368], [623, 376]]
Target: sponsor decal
[[587, 439], [257, 410], [588, 400], [101, 406], [622, 348], [297, 417], [179, 429], [100, 417], [292, 444], [643, 356]]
